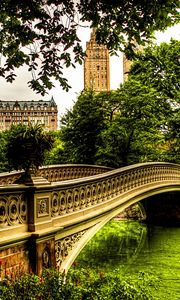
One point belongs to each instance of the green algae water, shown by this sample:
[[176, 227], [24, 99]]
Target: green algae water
[[129, 247]]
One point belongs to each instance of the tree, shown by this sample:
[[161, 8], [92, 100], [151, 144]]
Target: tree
[[3, 158], [137, 122], [173, 138], [26, 147], [159, 67], [56, 154], [81, 128], [117, 128], [42, 34], [134, 134]]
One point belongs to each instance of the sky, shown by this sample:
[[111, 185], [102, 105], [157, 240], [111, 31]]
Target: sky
[[19, 90]]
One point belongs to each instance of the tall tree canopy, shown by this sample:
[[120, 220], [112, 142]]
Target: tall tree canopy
[[159, 67], [134, 133], [42, 34], [116, 128], [81, 128], [137, 122]]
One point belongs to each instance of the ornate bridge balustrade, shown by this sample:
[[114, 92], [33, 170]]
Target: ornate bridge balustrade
[[88, 192], [56, 173], [50, 223], [13, 209]]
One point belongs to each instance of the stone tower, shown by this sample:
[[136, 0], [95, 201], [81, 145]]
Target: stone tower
[[96, 66], [126, 67], [127, 63]]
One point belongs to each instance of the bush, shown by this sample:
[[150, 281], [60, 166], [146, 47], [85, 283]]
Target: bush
[[78, 285], [26, 146]]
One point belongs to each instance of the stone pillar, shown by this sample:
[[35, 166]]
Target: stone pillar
[[41, 253], [41, 244], [39, 205]]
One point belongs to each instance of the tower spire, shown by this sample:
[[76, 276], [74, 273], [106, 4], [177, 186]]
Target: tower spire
[[96, 65]]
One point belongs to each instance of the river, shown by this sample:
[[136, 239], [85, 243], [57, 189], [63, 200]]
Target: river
[[132, 247]]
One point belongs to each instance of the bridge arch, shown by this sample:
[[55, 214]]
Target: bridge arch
[[122, 203]]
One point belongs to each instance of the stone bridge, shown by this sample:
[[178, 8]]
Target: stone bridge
[[48, 221]]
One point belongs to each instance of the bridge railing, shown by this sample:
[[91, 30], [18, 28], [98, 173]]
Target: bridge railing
[[13, 211], [31, 208], [56, 173], [71, 198], [17, 201]]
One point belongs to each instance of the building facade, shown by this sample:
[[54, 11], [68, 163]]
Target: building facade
[[22, 112], [126, 67], [96, 66], [127, 63]]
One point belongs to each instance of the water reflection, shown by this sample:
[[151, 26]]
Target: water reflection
[[114, 246], [132, 246]]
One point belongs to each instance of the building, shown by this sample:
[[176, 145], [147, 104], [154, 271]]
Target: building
[[40, 112], [96, 66], [127, 63], [126, 67]]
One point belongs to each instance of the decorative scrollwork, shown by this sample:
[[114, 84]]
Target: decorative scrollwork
[[70, 203], [43, 207], [3, 211], [62, 207], [65, 245], [82, 197], [13, 210], [59, 173], [46, 258], [76, 199], [83, 194], [87, 195], [54, 204]]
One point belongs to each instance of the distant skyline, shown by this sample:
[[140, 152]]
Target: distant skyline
[[19, 90]]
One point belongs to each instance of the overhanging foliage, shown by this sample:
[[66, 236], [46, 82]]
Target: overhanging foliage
[[42, 34]]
